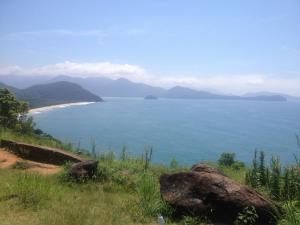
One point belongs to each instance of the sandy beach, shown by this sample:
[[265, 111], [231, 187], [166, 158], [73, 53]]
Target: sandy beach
[[52, 107]]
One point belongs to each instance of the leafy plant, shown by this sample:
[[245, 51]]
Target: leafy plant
[[227, 159], [247, 217], [13, 113]]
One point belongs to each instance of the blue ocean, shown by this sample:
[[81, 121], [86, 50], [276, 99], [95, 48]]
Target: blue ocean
[[187, 130]]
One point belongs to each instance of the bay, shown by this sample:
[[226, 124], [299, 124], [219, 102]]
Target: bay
[[188, 130]]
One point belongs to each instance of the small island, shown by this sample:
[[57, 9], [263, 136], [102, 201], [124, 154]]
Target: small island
[[151, 97]]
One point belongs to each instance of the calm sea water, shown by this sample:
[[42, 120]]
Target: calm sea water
[[189, 130]]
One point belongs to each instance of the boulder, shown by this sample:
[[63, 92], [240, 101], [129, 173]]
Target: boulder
[[86, 169], [207, 191]]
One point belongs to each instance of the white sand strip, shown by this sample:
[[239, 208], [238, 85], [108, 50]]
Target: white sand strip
[[60, 106]]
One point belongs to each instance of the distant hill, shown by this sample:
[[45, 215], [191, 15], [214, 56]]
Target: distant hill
[[125, 88], [113, 88], [183, 92], [54, 93], [187, 93], [265, 93]]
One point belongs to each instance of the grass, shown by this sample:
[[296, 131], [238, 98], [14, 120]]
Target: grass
[[292, 216]]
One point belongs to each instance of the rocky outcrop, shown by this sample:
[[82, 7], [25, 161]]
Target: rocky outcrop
[[86, 169], [40, 153], [207, 191]]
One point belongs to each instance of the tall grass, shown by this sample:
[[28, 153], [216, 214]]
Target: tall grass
[[149, 195], [292, 216], [30, 190]]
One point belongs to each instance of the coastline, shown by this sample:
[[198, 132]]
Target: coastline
[[59, 106]]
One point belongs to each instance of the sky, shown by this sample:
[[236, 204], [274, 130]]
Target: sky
[[229, 46]]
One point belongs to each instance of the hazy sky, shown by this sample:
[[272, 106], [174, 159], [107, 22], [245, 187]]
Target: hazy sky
[[231, 46]]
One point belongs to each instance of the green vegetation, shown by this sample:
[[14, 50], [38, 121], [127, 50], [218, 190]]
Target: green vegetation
[[53, 94], [247, 217], [282, 184], [13, 113]]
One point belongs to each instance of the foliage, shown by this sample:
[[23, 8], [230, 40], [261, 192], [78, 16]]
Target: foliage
[[13, 113], [227, 159], [247, 217], [275, 178], [292, 216], [280, 183]]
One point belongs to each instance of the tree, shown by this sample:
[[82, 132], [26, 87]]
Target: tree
[[13, 113]]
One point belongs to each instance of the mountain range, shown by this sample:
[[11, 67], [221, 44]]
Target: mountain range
[[52, 94], [102, 86]]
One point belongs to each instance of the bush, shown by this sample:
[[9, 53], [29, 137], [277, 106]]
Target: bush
[[13, 113], [247, 217], [226, 159]]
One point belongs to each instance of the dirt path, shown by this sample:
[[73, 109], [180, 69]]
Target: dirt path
[[7, 160]]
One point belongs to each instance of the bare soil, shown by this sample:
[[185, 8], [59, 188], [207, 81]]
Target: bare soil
[[8, 159]]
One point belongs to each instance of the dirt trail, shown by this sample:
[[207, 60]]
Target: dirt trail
[[7, 160]]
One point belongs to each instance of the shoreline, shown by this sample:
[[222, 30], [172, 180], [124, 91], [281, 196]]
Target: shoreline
[[59, 106]]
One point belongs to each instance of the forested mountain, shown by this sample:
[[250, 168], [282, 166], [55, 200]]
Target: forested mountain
[[53, 94]]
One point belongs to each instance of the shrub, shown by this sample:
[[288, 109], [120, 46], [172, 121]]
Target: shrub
[[13, 113], [226, 159], [247, 217]]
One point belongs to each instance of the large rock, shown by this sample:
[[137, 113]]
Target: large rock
[[86, 169], [207, 191]]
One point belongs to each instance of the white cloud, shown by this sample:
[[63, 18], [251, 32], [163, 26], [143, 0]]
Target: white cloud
[[235, 84], [75, 69]]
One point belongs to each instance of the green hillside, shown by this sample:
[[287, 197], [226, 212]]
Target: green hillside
[[52, 94]]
